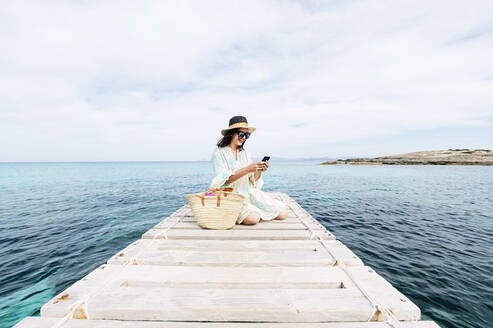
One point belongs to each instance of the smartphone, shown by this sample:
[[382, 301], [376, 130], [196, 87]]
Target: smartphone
[[265, 159]]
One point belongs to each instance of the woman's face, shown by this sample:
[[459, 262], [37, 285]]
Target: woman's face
[[239, 141]]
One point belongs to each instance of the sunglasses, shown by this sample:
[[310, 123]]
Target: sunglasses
[[242, 134]]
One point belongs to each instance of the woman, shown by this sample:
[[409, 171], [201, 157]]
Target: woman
[[233, 168]]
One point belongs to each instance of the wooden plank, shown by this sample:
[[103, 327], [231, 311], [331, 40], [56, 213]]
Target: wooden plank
[[224, 304], [153, 277], [233, 234], [327, 277], [237, 258], [297, 209], [41, 322], [282, 294], [289, 220], [234, 248], [384, 293], [263, 225]]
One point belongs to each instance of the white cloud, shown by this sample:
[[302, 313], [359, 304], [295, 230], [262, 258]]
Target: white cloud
[[157, 80]]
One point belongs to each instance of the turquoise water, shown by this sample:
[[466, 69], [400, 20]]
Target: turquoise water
[[426, 229]]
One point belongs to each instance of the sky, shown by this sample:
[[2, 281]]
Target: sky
[[158, 80]]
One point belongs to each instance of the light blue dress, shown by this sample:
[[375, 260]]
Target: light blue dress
[[225, 164]]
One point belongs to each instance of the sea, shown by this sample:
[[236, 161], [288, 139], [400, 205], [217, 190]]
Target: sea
[[428, 230]]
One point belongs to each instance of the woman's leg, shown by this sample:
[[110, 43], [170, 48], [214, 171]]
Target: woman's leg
[[252, 218]]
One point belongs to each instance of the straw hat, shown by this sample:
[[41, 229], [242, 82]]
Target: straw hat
[[238, 122]]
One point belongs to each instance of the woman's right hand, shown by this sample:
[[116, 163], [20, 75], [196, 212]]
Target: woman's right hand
[[255, 167]]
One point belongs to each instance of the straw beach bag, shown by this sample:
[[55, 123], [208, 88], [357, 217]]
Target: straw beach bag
[[216, 208]]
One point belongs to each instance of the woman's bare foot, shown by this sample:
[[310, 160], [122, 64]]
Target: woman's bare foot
[[251, 219], [282, 215]]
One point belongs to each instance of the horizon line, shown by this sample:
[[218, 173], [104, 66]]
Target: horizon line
[[151, 161]]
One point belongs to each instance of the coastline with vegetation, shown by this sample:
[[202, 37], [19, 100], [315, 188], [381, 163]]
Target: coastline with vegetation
[[428, 157]]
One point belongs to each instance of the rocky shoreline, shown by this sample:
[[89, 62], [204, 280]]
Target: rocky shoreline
[[428, 157]]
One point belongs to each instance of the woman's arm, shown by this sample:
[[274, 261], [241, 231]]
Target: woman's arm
[[238, 174], [254, 167]]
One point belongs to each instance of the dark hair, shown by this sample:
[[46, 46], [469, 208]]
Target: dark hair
[[226, 139]]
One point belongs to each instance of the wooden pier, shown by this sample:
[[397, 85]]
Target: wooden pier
[[280, 273]]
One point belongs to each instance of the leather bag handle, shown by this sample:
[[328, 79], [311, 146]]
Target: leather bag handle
[[218, 192]]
